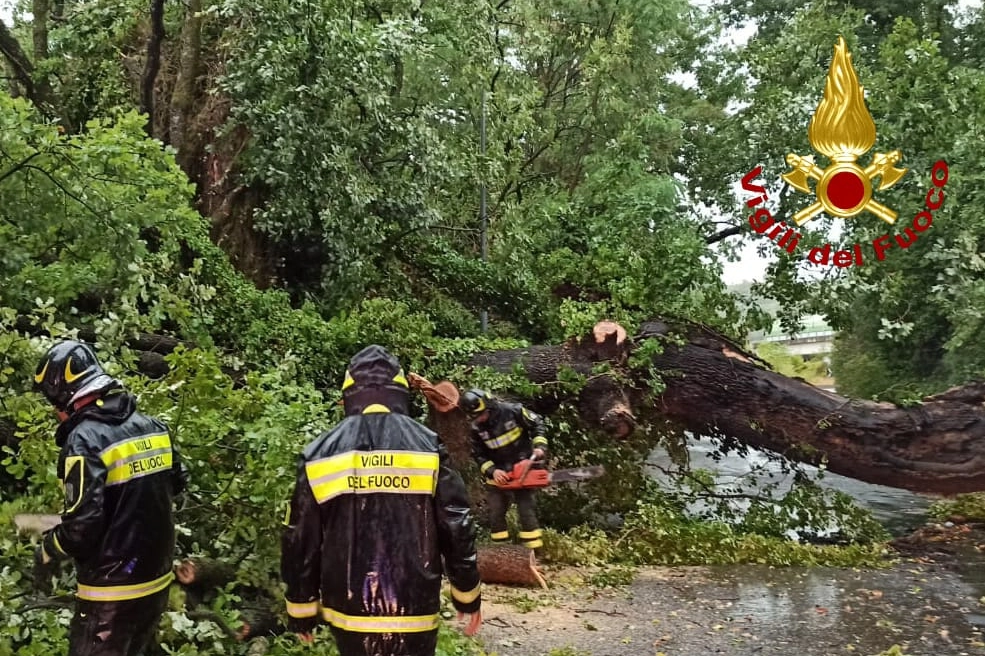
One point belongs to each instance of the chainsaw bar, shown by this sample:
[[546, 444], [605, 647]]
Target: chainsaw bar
[[38, 524], [577, 474]]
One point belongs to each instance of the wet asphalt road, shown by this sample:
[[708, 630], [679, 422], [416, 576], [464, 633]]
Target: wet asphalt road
[[925, 608]]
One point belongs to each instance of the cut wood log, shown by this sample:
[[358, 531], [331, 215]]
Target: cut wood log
[[258, 622], [204, 574], [442, 396], [509, 564]]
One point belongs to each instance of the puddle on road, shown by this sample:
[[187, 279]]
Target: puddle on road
[[927, 609]]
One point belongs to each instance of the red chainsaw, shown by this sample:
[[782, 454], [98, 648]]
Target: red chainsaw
[[443, 397], [524, 476]]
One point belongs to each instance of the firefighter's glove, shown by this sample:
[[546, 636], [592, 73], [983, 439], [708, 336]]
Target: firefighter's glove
[[303, 626], [45, 567]]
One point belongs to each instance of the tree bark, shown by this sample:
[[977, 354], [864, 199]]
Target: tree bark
[[153, 63], [40, 10], [715, 388], [38, 91], [509, 564], [186, 86]]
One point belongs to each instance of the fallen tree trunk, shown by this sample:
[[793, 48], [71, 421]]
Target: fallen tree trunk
[[509, 564], [715, 388]]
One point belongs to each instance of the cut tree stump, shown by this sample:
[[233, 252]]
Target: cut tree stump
[[509, 564]]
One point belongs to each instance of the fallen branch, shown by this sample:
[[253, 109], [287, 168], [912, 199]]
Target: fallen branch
[[204, 574], [611, 613]]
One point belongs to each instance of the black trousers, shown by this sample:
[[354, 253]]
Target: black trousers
[[526, 507], [116, 628], [351, 643]]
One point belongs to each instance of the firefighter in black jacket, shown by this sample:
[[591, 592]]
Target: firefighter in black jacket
[[376, 507], [503, 434], [121, 473]]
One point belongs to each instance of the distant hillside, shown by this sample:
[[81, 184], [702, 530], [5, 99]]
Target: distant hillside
[[811, 323], [744, 289]]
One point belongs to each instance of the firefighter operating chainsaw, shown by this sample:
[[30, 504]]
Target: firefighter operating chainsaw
[[509, 445]]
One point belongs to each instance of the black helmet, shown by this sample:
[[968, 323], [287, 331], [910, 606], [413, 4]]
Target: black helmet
[[69, 371], [475, 402], [374, 377]]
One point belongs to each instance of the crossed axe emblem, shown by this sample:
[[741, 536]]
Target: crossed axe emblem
[[851, 184]]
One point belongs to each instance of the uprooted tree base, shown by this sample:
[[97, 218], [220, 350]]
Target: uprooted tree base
[[713, 387]]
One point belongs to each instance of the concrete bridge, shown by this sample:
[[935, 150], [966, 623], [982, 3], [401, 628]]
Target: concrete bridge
[[816, 338]]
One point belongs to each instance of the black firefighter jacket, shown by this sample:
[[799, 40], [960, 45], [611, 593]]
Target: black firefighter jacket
[[120, 473], [375, 508], [509, 435]]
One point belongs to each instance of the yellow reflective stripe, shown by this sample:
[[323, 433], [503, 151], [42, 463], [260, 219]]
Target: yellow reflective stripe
[[124, 592], [70, 462], [530, 535], [400, 379], [69, 376], [348, 382], [486, 465], [466, 597], [56, 544], [375, 407], [307, 609], [380, 624], [136, 457], [504, 439], [370, 472], [534, 544], [287, 515], [537, 441], [39, 377], [500, 535]]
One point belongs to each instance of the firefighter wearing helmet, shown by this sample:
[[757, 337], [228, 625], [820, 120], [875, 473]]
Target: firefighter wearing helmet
[[120, 473], [502, 435], [377, 515]]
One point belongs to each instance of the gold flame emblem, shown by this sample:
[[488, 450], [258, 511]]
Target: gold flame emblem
[[843, 130]]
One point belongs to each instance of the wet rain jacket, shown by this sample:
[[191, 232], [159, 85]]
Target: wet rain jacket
[[121, 474], [376, 507], [509, 435]]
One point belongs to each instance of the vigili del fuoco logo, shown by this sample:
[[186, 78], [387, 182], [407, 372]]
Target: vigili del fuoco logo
[[843, 131]]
